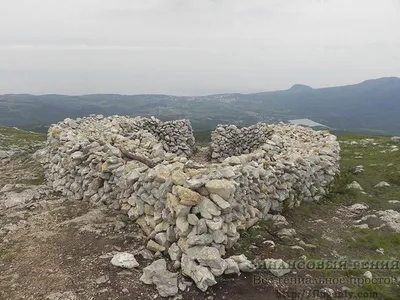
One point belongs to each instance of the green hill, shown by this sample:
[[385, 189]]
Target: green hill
[[372, 106]]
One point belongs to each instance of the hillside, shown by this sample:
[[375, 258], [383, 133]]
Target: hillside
[[52, 247], [372, 106]]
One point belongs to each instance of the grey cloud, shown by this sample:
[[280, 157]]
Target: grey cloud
[[192, 46]]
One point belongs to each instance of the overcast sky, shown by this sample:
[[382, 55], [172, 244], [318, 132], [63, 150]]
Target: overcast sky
[[194, 47]]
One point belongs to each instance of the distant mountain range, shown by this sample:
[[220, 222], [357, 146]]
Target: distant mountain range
[[372, 106]]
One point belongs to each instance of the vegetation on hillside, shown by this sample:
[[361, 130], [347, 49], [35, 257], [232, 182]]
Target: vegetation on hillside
[[370, 107]]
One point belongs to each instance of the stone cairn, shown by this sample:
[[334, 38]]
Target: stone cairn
[[189, 210]]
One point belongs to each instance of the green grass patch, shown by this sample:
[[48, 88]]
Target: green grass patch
[[12, 137], [371, 240]]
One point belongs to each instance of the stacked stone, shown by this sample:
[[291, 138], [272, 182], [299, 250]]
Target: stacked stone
[[195, 211], [189, 210], [177, 136], [229, 140], [85, 161]]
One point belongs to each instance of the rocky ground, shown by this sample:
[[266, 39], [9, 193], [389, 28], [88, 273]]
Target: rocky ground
[[60, 249]]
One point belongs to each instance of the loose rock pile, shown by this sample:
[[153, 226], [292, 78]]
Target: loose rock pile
[[229, 140], [189, 210]]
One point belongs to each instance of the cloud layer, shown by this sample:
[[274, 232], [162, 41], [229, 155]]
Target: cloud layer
[[192, 46]]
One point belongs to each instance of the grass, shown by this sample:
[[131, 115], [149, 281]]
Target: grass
[[203, 138], [251, 237], [12, 137], [372, 239]]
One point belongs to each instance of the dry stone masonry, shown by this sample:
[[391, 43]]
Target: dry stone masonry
[[229, 140], [193, 212]]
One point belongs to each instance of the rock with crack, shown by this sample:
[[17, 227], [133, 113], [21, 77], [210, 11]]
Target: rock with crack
[[155, 247], [202, 276], [223, 188], [187, 196], [124, 260], [166, 282], [208, 209], [231, 267], [224, 205], [211, 257]]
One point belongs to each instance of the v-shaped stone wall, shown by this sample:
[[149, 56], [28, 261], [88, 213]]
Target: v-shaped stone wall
[[184, 207]]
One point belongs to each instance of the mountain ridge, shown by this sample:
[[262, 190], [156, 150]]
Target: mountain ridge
[[372, 105], [296, 86]]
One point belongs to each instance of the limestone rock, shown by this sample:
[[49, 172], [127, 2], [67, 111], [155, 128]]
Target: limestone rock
[[224, 205], [208, 209], [124, 260], [174, 252], [277, 266], [355, 185], [153, 246], [166, 282], [223, 188], [187, 196], [382, 184], [210, 256]]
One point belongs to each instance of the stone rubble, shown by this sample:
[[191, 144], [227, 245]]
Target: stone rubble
[[191, 211]]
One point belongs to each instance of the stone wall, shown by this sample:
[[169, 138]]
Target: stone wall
[[85, 161], [176, 136], [229, 140], [189, 209]]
